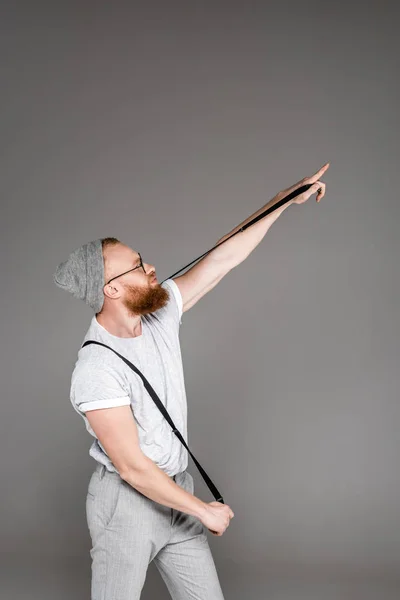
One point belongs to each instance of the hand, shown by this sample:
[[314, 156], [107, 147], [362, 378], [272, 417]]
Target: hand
[[217, 517], [318, 187]]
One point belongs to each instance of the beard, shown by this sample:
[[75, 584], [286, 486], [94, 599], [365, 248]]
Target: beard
[[143, 301]]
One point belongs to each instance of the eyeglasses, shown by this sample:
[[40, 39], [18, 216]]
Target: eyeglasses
[[134, 268]]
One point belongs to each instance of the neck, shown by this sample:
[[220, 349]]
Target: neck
[[121, 324]]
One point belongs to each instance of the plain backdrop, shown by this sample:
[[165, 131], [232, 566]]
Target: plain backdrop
[[166, 124]]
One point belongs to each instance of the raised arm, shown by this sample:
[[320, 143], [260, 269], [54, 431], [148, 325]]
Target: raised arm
[[209, 271]]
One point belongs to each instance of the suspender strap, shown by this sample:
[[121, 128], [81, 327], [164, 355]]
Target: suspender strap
[[165, 413]]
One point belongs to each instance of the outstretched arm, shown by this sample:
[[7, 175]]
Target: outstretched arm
[[209, 271]]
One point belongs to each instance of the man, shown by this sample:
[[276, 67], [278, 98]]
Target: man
[[140, 502]]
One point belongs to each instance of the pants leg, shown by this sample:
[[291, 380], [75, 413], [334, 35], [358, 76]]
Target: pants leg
[[185, 563], [127, 531]]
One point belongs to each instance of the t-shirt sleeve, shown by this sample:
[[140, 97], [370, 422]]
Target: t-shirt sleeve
[[96, 387], [174, 308]]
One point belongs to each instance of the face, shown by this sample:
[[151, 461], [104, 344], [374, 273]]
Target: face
[[139, 292]]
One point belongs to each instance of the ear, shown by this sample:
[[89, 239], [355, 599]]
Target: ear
[[112, 291]]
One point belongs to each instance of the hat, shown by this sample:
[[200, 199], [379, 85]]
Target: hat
[[82, 274]]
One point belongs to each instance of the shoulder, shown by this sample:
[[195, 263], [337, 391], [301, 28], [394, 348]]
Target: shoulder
[[174, 307], [98, 384], [97, 366], [175, 291]]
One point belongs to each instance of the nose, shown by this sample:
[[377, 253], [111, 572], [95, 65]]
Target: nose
[[149, 268]]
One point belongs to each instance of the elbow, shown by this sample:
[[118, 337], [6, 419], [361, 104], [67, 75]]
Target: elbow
[[134, 472]]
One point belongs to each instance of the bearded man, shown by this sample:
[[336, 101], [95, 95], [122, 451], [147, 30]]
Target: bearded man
[[140, 502]]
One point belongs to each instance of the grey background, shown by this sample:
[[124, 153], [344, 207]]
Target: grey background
[[167, 124]]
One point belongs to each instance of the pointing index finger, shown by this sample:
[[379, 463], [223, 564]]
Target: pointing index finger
[[319, 173]]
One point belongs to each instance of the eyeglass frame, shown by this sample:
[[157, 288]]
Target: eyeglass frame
[[134, 269]]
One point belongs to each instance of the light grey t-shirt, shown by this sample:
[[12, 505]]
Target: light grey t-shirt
[[102, 380]]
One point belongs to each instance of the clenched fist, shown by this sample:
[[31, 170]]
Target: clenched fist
[[217, 517]]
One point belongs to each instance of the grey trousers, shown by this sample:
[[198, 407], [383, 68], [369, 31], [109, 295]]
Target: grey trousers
[[129, 530]]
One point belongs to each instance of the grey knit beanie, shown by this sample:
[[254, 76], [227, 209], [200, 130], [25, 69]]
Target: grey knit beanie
[[82, 274]]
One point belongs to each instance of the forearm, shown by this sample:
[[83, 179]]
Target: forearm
[[235, 250], [151, 481]]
